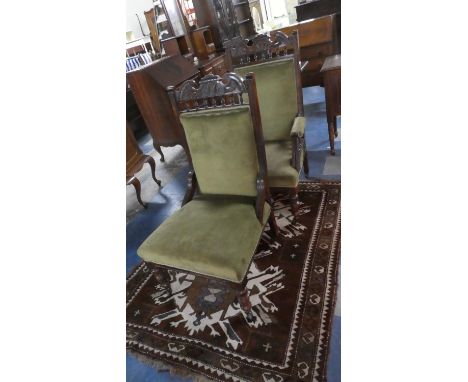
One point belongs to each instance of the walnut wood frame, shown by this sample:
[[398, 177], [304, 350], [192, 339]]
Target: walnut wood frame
[[213, 92], [264, 48]]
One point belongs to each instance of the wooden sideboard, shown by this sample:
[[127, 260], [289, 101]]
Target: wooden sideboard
[[317, 41], [202, 42], [149, 86], [319, 8]]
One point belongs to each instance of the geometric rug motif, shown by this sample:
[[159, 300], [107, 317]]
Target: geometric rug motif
[[195, 325]]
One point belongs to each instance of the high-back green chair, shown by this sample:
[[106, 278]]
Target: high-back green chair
[[275, 62], [227, 204]]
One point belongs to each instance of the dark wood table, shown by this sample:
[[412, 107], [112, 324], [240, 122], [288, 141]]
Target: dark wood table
[[331, 70]]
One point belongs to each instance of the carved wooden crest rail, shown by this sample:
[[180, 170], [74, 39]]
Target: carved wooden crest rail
[[261, 47], [211, 91]]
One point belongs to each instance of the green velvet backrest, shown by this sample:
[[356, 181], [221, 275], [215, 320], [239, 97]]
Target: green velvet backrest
[[222, 146], [277, 96]]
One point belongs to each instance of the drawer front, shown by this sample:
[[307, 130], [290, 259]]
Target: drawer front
[[316, 31], [313, 51]]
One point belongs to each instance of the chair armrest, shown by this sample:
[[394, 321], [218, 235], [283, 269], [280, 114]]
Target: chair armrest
[[191, 187], [298, 127], [260, 200], [297, 136]]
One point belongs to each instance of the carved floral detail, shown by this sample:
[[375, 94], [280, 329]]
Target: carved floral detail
[[211, 91], [261, 47]]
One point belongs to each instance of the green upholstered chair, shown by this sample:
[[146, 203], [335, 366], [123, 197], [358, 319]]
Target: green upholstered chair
[[278, 79], [227, 204]]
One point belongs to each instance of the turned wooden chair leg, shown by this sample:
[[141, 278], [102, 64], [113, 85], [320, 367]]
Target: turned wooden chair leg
[[294, 201], [152, 164], [245, 304], [272, 223], [158, 149], [306, 163], [137, 185]]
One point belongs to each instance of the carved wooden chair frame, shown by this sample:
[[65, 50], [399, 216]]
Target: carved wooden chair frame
[[264, 48], [213, 91]]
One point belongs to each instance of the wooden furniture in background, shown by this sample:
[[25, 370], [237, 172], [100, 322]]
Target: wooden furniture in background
[[203, 43], [206, 16], [133, 115], [149, 86], [189, 12], [177, 46], [317, 8], [244, 18], [135, 47], [135, 161], [320, 8], [256, 12], [179, 42], [331, 70], [228, 19], [317, 40], [151, 20], [212, 65], [209, 61], [174, 16]]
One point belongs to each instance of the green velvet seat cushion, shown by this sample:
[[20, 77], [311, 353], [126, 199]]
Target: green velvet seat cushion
[[277, 96], [215, 237], [223, 150], [280, 171]]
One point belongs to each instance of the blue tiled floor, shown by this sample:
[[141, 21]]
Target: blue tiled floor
[[168, 200], [334, 357], [321, 166]]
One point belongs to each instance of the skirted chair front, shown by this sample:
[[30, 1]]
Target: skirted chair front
[[278, 80], [227, 204]]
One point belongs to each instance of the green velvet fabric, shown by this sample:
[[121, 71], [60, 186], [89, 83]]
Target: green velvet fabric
[[214, 236], [298, 127], [281, 173], [277, 96], [222, 146]]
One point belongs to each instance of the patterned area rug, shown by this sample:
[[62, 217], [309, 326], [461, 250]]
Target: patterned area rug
[[292, 284]]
